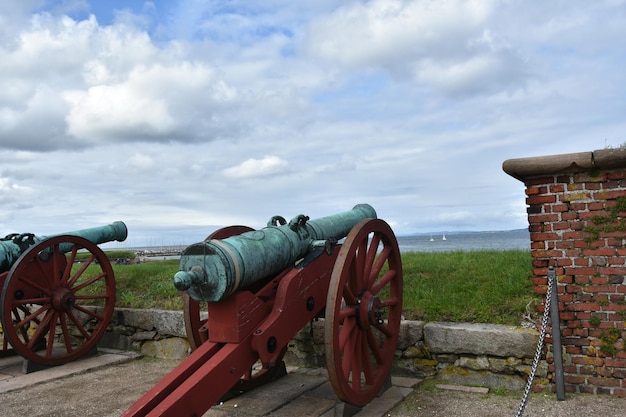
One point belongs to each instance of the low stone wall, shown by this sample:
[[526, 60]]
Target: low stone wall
[[489, 355]]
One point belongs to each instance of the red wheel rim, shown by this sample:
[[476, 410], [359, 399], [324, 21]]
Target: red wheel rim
[[55, 310], [363, 312]]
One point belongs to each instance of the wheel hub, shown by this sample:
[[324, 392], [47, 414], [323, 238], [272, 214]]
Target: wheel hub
[[63, 299], [368, 310]]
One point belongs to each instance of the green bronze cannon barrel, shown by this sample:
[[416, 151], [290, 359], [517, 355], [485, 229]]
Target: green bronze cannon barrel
[[214, 269], [12, 246]]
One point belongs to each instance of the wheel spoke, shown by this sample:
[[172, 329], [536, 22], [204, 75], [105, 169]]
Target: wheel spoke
[[32, 316], [51, 334], [356, 356], [348, 296], [379, 263], [384, 329], [345, 313], [79, 325], [346, 334], [384, 280], [369, 274], [41, 329], [86, 311], [21, 329], [80, 271], [88, 282], [66, 334], [358, 277], [372, 342], [70, 264], [368, 372], [35, 286], [38, 300]]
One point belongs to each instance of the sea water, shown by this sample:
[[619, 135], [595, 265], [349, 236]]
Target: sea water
[[465, 241]]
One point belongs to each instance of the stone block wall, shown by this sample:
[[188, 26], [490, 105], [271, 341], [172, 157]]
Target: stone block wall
[[576, 206], [488, 355]]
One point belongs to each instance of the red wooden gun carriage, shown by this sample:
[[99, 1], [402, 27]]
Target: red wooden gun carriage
[[261, 287]]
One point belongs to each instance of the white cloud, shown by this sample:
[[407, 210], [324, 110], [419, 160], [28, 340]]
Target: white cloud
[[423, 40], [141, 161], [411, 106], [255, 168]]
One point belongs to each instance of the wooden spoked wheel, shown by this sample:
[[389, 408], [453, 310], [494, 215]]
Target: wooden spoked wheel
[[194, 313], [55, 309], [363, 312]]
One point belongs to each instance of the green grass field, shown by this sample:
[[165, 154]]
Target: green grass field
[[476, 286]]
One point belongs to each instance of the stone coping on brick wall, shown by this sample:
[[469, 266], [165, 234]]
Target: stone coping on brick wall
[[491, 355], [521, 168]]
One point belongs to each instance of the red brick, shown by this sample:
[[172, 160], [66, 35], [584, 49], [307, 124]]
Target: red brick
[[539, 180], [581, 261], [564, 244], [574, 379], [614, 270], [543, 236], [601, 288], [536, 190], [560, 226], [616, 175], [595, 206], [540, 199], [543, 218], [612, 195], [584, 307], [615, 363], [576, 235], [557, 188], [559, 208], [570, 215], [599, 252], [604, 382], [590, 215]]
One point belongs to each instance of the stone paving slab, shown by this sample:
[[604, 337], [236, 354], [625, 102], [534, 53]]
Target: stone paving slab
[[12, 378]]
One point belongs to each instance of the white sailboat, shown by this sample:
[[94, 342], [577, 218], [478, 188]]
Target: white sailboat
[[444, 237], [431, 238]]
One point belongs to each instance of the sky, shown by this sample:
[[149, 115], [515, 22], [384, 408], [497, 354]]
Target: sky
[[180, 117]]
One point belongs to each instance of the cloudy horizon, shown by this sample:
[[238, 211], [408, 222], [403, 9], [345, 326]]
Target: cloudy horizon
[[180, 117]]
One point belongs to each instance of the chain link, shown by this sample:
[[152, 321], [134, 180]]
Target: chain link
[[542, 336]]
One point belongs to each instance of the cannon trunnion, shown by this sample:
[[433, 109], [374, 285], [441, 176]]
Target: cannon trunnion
[[54, 308], [356, 285]]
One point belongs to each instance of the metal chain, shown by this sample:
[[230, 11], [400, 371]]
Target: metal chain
[[542, 335]]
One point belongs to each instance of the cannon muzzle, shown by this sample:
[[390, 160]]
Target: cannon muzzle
[[214, 269], [14, 245]]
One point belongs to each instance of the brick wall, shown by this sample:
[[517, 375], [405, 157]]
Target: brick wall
[[577, 222]]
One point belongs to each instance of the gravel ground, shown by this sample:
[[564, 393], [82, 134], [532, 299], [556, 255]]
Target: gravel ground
[[431, 402], [107, 392]]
